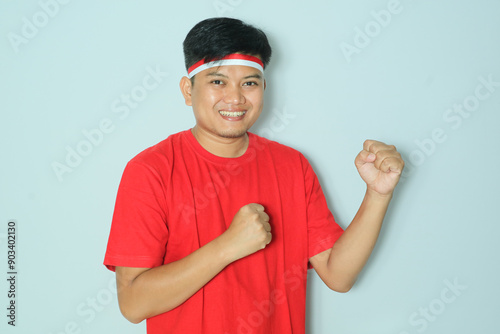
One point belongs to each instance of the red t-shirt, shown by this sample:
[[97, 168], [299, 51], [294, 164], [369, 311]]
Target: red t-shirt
[[175, 197]]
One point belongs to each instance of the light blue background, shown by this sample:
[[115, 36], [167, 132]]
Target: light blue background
[[443, 225]]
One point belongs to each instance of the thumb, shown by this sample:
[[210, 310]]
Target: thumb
[[364, 157]]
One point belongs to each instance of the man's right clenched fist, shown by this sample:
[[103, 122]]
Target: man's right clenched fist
[[249, 231]]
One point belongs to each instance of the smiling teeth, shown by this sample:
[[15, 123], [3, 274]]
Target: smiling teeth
[[232, 113]]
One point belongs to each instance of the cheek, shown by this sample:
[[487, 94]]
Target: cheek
[[206, 98], [257, 100], [204, 106]]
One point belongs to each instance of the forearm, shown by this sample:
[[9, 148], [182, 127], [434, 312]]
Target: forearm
[[163, 288], [352, 250]]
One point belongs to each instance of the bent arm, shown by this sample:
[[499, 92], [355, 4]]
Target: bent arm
[[339, 266], [380, 166], [144, 292]]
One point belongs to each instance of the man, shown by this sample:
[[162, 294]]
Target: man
[[214, 228]]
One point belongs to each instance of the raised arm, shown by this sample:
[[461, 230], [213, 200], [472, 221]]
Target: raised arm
[[380, 166], [145, 292]]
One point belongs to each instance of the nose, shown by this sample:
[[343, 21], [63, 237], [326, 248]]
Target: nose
[[233, 94]]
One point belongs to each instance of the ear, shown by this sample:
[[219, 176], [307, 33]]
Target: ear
[[265, 84], [186, 86]]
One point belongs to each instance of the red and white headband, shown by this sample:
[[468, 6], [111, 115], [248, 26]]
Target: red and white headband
[[232, 59]]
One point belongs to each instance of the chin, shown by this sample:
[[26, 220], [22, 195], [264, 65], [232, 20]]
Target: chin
[[233, 133]]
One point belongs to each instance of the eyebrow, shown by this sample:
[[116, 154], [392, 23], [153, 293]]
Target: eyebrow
[[218, 74]]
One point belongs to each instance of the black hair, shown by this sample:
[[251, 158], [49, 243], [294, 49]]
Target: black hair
[[214, 38]]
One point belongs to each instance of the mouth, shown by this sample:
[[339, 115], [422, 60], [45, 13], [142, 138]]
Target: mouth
[[232, 115]]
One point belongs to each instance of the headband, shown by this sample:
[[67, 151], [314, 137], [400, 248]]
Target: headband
[[232, 59]]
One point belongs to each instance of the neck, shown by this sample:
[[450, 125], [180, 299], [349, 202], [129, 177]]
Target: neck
[[220, 146]]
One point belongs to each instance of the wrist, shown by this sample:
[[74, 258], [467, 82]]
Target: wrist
[[378, 197], [222, 250]]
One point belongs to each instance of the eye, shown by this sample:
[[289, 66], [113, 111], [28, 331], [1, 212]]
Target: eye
[[216, 82], [250, 83]]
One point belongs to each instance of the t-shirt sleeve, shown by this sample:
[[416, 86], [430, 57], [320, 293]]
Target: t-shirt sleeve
[[139, 233], [322, 229]]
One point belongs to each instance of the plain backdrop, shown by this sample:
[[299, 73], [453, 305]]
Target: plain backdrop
[[422, 75]]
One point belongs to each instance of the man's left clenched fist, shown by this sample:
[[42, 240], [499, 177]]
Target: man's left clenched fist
[[380, 166]]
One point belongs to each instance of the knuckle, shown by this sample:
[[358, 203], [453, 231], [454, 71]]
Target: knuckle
[[368, 141]]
